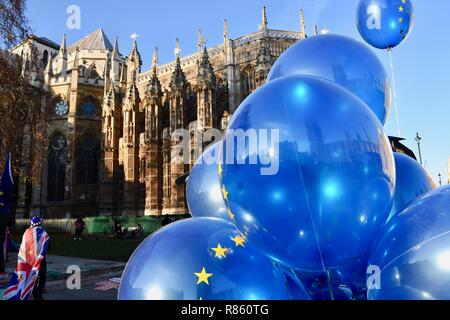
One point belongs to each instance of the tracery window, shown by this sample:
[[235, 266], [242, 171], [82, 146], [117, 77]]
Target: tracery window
[[86, 161], [56, 179]]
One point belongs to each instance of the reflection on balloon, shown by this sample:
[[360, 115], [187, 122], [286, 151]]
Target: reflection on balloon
[[412, 182], [323, 178], [413, 252], [204, 197], [201, 258], [343, 60], [296, 287], [385, 24], [335, 286]]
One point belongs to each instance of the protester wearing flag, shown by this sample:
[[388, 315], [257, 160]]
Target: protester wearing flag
[[6, 190], [31, 266]]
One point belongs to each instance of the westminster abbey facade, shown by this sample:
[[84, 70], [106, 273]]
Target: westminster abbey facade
[[108, 124]]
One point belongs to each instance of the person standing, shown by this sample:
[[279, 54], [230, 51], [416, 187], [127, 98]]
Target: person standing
[[6, 190], [79, 228], [31, 273]]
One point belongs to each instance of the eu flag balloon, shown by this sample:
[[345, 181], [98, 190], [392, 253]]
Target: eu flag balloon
[[201, 258], [411, 257], [385, 24], [343, 60], [308, 174], [412, 182], [204, 197]]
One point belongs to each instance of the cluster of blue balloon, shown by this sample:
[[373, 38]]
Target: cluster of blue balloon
[[306, 229]]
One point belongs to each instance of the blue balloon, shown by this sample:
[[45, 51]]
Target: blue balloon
[[201, 258], [413, 252], [296, 287], [385, 24], [345, 61], [322, 287], [318, 186], [204, 197], [412, 182]]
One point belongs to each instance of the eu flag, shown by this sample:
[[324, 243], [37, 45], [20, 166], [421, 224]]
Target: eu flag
[[6, 188]]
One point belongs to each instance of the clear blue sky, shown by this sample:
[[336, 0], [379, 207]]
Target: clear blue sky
[[422, 63]]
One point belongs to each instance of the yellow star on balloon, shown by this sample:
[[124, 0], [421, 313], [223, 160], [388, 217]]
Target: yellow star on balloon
[[203, 276], [220, 170], [239, 241], [231, 215], [225, 193], [1, 193], [220, 252], [400, 8], [400, 20]]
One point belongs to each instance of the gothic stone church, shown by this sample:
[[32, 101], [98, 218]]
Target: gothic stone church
[[109, 125]]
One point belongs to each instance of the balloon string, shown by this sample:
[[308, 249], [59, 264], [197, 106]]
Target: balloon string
[[309, 208], [394, 91]]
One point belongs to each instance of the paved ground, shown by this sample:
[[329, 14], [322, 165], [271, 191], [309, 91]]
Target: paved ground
[[88, 291], [93, 272]]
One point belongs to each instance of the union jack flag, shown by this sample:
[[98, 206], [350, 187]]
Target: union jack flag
[[32, 251]]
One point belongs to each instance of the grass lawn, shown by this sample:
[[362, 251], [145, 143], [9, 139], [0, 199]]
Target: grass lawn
[[91, 247]]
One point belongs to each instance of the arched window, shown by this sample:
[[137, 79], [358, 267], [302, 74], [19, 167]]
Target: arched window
[[86, 161], [56, 178], [45, 57], [247, 81]]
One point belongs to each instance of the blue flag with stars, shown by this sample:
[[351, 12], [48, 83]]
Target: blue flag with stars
[[6, 187]]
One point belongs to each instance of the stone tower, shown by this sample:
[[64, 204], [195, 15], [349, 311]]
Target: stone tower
[[206, 93], [154, 113], [178, 118], [132, 127], [264, 58]]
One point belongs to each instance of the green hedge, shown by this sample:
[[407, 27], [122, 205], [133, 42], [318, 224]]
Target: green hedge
[[102, 225], [105, 225]]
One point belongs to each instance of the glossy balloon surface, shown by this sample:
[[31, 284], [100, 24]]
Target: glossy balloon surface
[[413, 181], [204, 197], [413, 252], [322, 179], [385, 24], [343, 60], [184, 261]]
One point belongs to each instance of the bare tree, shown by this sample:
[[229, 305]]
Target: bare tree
[[14, 26], [21, 116]]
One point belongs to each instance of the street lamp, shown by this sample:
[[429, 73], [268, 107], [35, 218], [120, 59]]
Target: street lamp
[[440, 179], [418, 140]]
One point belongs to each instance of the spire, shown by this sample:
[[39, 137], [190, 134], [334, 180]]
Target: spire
[[63, 48], [115, 53], [177, 50], [155, 60], [200, 41], [132, 94], [110, 98], [178, 80], [225, 30], [205, 73], [264, 19], [154, 86], [302, 26]]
